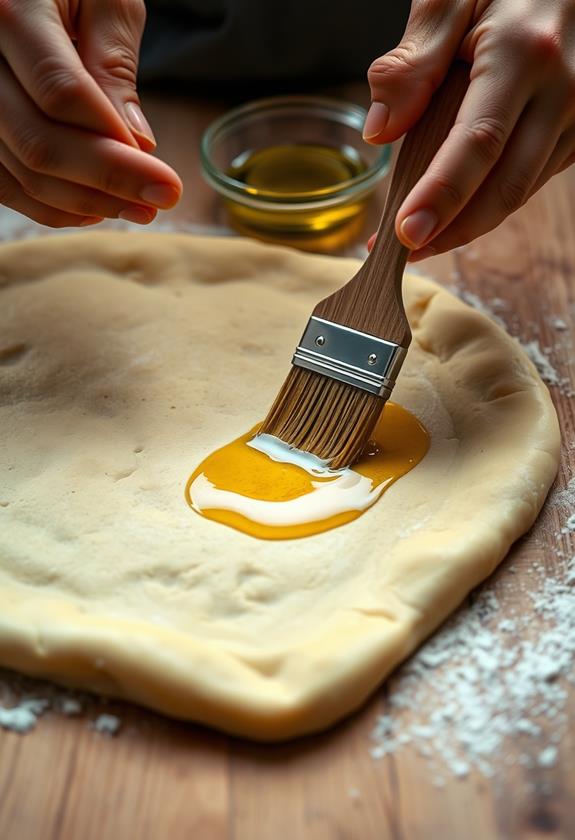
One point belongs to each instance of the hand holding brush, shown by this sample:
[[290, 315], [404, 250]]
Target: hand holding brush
[[346, 364]]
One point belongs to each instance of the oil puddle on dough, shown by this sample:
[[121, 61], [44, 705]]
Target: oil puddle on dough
[[263, 487]]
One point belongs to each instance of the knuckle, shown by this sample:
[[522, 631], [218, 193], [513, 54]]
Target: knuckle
[[533, 42], [379, 70], [36, 151], [513, 190], [543, 43], [111, 182], [409, 62], [120, 64], [449, 192], [401, 60], [487, 136], [57, 89]]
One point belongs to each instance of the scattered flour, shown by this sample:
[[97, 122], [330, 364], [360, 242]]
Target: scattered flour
[[107, 724], [548, 373], [546, 370], [561, 500], [548, 757], [70, 706], [479, 682], [20, 711], [23, 717], [541, 362], [503, 679], [476, 302], [569, 526], [537, 354], [565, 497]]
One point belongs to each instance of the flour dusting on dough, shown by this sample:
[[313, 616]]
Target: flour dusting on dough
[[239, 611]]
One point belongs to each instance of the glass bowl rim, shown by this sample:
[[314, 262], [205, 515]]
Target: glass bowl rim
[[340, 111]]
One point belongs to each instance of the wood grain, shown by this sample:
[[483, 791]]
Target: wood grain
[[372, 300], [163, 779]]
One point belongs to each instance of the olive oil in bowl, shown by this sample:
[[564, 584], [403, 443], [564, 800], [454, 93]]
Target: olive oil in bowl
[[291, 185], [294, 169]]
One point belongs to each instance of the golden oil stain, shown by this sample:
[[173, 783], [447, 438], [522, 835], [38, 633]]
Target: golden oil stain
[[259, 485], [302, 169], [284, 175]]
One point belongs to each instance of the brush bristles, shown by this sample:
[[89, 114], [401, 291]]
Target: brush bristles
[[320, 415]]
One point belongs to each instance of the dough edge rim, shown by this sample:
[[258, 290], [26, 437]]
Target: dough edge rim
[[29, 646]]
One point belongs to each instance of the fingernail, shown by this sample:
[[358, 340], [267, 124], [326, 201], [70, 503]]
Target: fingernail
[[139, 215], [160, 195], [90, 220], [138, 121], [418, 227], [422, 254], [376, 120]]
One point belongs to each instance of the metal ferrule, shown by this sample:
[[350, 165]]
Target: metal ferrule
[[348, 355]]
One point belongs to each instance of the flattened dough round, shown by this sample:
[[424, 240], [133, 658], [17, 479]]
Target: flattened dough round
[[124, 359]]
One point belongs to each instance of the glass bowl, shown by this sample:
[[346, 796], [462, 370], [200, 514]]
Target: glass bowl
[[308, 126]]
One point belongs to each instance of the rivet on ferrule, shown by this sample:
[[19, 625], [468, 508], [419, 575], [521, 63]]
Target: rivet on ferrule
[[351, 356]]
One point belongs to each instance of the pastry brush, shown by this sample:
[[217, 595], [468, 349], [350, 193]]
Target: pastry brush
[[346, 363]]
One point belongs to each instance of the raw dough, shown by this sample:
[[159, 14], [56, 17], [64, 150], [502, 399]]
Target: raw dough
[[124, 359]]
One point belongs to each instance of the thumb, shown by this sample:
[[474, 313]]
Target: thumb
[[109, 34], [403, 81]]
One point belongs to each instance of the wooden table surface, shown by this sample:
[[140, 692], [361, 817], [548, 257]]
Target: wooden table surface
[[163, 779]]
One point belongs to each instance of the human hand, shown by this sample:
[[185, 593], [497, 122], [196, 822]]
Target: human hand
[[73, 139], [515, 128]]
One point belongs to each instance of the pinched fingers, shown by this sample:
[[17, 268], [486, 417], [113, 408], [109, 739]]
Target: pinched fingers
[[70, 197], [109, 34], [403, 80], [509, 136], [41, 55], [45, 147], [537, 149], [12, 195], [472, 149]]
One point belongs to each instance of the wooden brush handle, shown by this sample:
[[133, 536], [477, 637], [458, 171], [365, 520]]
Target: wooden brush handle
[[372, 300]]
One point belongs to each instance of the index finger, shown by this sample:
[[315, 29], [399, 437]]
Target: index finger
[[45, 62], [485, 121]]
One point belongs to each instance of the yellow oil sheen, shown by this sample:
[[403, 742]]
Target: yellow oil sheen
[[295, 174], [399, 444]]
